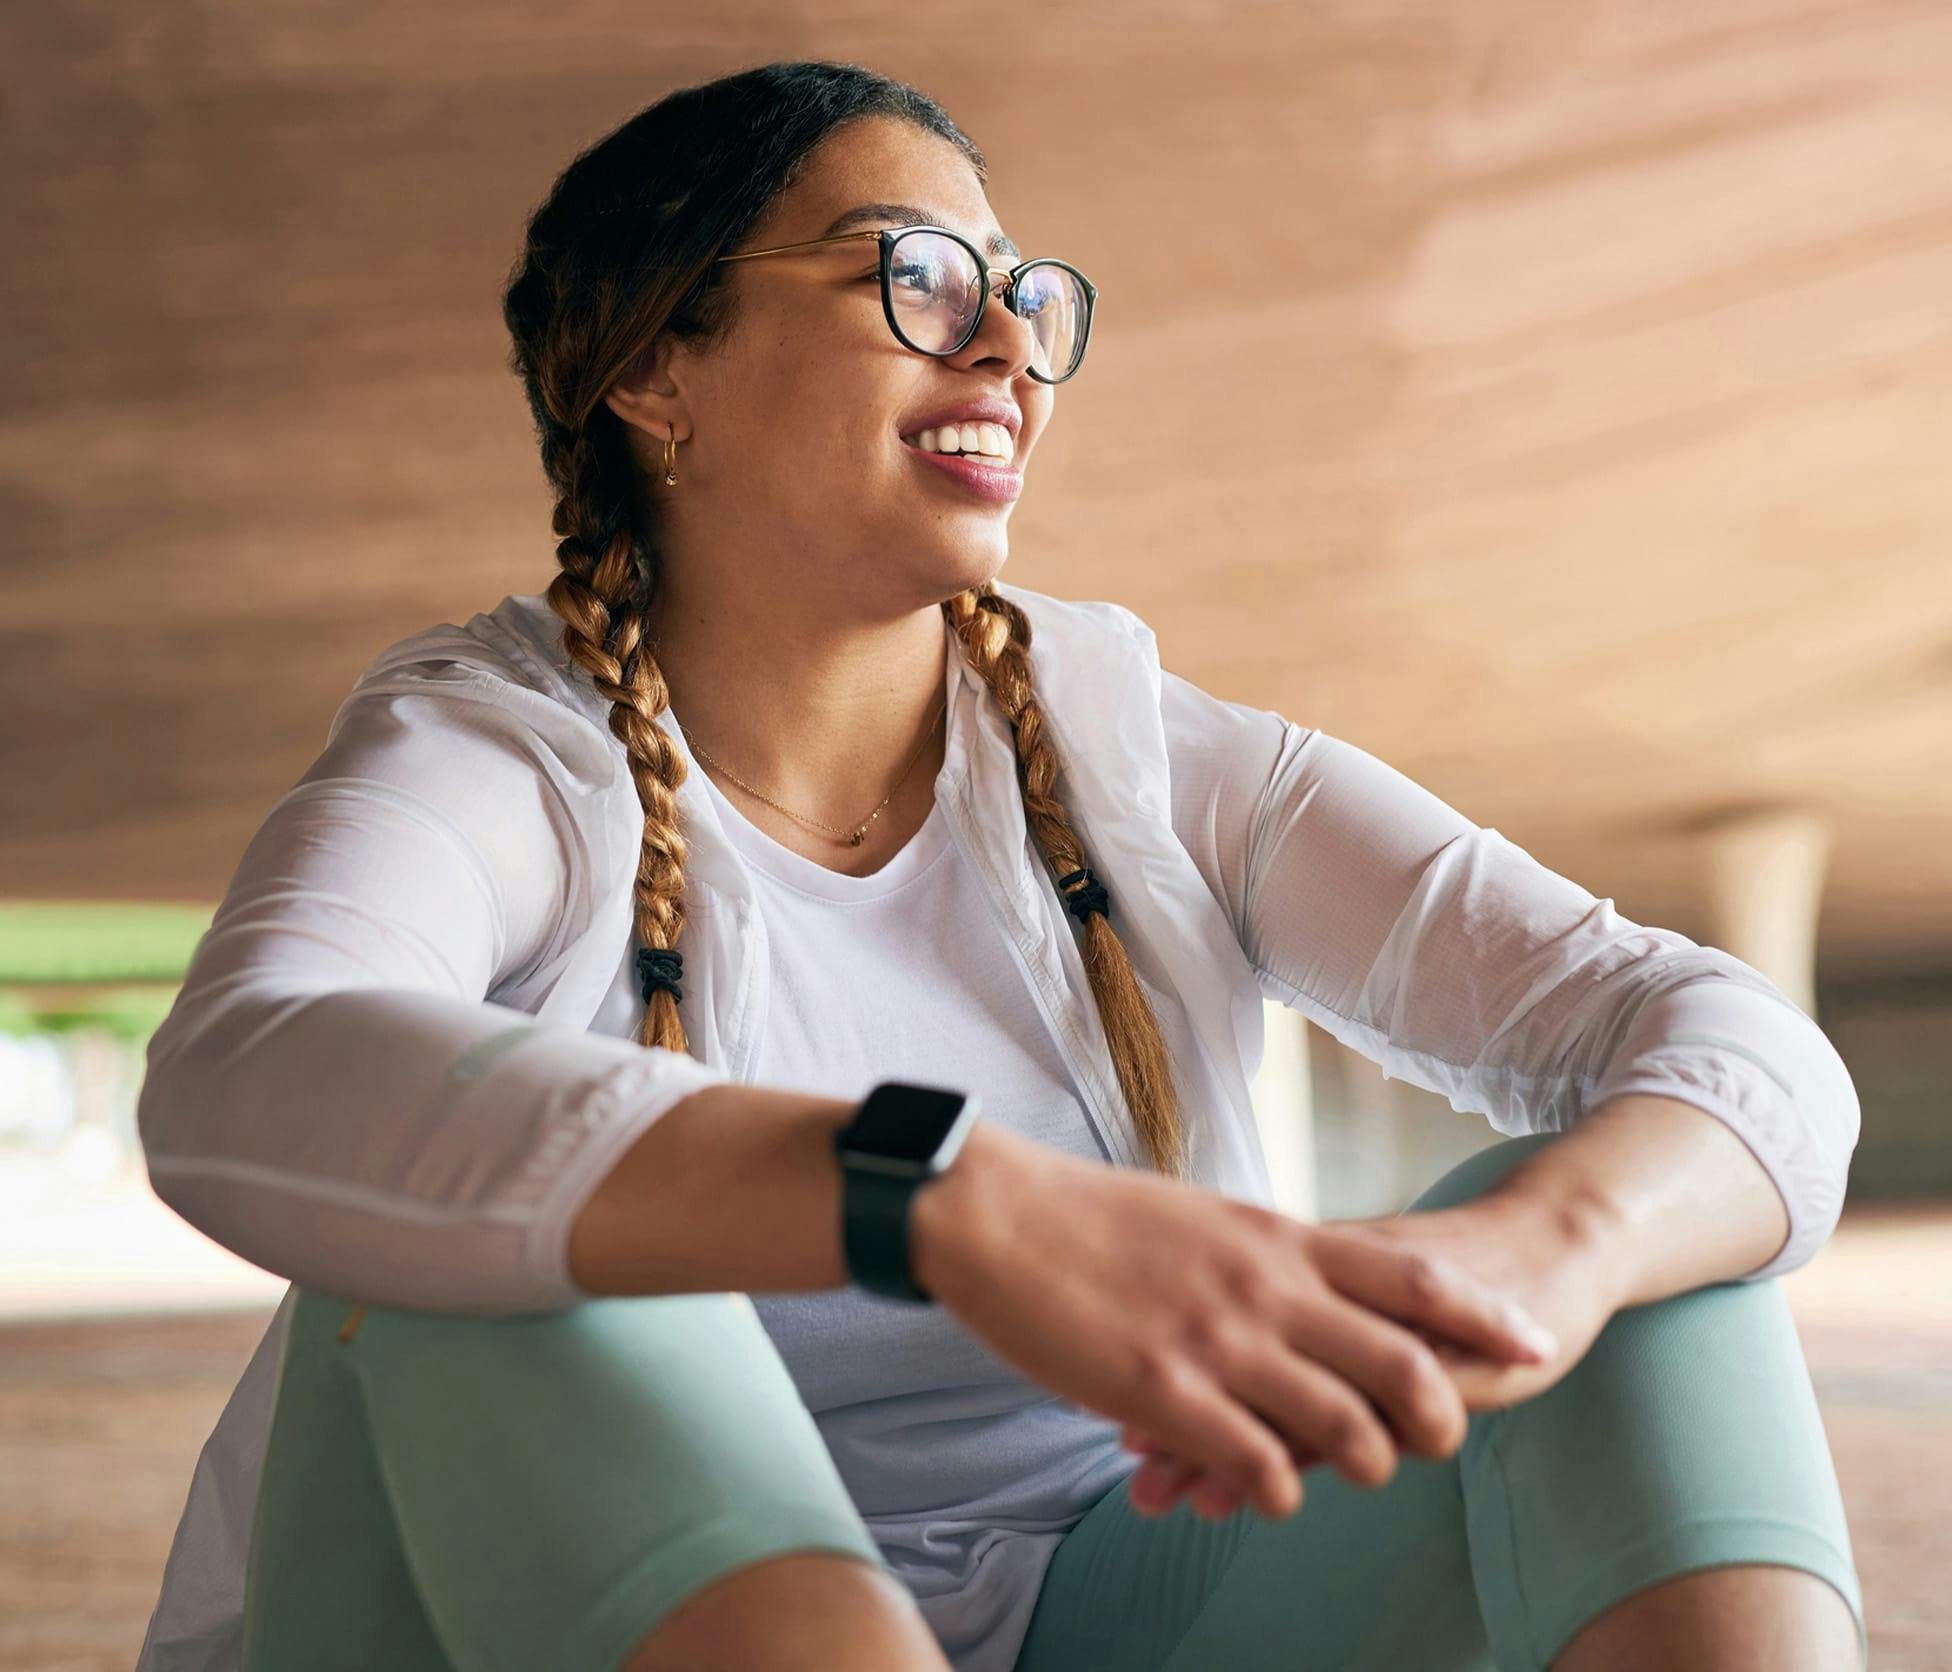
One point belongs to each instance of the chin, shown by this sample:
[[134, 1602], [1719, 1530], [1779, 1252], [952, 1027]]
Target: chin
[[943, 558], [975, 562]]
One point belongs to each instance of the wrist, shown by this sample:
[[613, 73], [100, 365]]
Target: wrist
[[954, 1214], [1567, 1220]]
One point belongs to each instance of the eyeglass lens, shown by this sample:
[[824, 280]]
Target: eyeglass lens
[[935, 287]]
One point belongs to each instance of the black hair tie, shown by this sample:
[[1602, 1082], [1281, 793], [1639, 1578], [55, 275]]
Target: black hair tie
[[1088, 899], [660, 968]]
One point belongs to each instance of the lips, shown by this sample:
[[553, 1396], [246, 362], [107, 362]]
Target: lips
[[983, 410], [999, 484]]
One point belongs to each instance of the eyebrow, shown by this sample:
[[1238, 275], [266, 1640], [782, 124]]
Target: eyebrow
[[906, 214]]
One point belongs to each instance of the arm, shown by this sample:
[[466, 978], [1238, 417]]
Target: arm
[[1670, 1194], [677, 1212], [333, 1096], [1452, 958]]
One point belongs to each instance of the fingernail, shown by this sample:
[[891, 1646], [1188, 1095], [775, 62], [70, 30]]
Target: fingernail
[[1535, 1337]]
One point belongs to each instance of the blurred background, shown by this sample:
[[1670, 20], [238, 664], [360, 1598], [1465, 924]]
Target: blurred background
[[1553, 399]]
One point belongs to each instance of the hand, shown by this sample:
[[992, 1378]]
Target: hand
[[1242, 1339], [1556, 1263]]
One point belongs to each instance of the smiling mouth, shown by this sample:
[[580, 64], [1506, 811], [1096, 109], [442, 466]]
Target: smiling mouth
[[983, 443], [995, 480]]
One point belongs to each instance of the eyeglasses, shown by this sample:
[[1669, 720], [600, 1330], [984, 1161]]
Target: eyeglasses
[[935, 286]]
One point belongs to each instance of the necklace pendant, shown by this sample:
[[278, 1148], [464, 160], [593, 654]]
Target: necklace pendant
[[857, 838]]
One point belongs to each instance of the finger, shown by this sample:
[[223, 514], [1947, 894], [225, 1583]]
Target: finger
[[1304, 1459], [1415, 1285], [1155, 1486], [1214, 1498], [1396, 1368], [1448, 1354], [1316, 1411], [1484, 1384], [1208, 1493], [1200, 1422], [1161, 1463]]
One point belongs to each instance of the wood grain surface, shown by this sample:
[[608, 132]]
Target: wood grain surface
[[1552, 399]]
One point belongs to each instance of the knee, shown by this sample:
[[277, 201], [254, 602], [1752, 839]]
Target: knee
[[1478, 1173], [639, 1351]]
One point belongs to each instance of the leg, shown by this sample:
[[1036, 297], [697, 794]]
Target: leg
[[1725, 1619], [552, 1490], [811, 1612], [1686, 1440], [1358, 1580], [1672, 1500]]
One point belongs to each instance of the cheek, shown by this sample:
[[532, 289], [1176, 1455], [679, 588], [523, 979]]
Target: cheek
[[849, 472]]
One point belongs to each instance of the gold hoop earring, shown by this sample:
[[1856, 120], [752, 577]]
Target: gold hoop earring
[[671, 459]]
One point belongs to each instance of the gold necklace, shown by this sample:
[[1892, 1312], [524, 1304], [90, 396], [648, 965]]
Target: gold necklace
[[858, 834]]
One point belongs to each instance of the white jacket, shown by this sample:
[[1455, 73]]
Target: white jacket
[[379, 1077]]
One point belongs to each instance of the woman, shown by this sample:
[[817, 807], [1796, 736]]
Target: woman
[[489, 1049]]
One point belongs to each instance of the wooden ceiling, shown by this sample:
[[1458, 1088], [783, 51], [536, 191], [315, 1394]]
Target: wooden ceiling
[[1553, 399]]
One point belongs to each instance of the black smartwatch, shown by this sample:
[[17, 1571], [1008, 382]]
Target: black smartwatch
[[902, 1136]]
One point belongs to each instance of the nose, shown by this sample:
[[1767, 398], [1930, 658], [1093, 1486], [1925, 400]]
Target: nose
[[1021, 346]]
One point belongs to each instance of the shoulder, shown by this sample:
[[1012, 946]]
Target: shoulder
[[519, 641], [501, 673]]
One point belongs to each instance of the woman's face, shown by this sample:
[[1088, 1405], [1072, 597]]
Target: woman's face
[[792, 467]]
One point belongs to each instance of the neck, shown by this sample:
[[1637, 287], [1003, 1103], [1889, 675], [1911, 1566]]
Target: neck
[[819, 714]]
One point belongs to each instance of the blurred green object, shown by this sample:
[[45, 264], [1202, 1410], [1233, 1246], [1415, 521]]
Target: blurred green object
[[130, 1013], [97, 940], [131, 955]]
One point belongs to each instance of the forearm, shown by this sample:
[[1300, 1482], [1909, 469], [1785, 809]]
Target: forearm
[[398, 1145], [1678, 1198], [735, 1187], [738, 1187]]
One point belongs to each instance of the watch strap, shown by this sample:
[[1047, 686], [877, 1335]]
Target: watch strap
[[903, 1135], [875, 1231]]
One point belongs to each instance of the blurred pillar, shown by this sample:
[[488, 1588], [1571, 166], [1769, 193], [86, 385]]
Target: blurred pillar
[[1764, 871], [1285, 1113]]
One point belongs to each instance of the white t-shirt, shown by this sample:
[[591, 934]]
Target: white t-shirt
[[967, 1473]]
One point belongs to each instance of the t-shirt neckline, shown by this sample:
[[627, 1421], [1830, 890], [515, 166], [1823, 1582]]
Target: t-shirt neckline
[[776, 860]]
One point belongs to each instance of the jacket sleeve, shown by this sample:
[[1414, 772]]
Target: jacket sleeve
[[333, 1096], [1456, 961]]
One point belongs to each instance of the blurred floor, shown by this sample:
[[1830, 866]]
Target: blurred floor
[[101, 1421]]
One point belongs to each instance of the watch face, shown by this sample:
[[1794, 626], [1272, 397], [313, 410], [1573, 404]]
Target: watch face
[[904, 1122]]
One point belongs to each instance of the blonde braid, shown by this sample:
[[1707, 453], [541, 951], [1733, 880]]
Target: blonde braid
[[995, 638], [601, 600]]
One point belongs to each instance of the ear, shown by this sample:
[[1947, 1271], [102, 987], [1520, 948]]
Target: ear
[[646, 396]]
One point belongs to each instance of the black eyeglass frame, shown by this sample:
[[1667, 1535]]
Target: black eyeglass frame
[[890, 236]]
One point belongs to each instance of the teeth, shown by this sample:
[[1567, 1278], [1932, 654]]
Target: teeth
[[990, 441]]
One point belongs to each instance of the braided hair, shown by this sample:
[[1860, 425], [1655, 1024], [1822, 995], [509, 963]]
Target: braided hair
[[621, 254]]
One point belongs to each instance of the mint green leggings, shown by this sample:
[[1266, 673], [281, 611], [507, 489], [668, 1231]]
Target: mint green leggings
[[447, 1493]]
